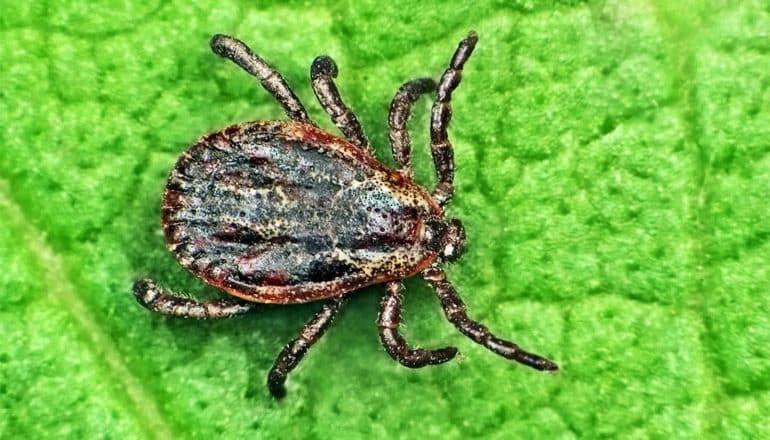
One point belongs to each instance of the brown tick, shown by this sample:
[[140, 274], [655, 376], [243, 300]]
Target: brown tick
[[284, 212]]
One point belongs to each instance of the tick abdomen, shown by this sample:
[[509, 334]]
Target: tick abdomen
[[269, 208]]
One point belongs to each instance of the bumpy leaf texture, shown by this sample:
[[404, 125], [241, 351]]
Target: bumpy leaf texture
[[613, 163]]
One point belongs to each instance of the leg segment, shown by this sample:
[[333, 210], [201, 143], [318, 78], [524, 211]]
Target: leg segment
[[161, 301], [322, 73], [441, 148], [239, 53], [394, 343], [400, 112], [454, 308], [295, 350]]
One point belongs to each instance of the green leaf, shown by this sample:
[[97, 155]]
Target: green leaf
[[613, 163]]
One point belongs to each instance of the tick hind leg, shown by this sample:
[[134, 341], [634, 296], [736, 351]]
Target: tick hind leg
[[400, 112], [239, 53], [441, 148], [295, 350], [394, 343], [454, 308], [322, 74], [159, 300]]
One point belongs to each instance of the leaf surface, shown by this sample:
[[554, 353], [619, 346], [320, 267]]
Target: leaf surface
[[613, 163]]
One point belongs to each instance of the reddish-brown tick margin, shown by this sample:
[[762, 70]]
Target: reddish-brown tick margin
[[282, 212]]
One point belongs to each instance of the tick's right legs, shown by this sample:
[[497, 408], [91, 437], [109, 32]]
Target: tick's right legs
[[441, 148], [159, 300], [394, 343], [400, 112], [295, 350], [454, 309], [239, 53]]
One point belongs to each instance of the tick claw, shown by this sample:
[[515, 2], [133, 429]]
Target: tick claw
[[276, 386], [145, 291], [547, 365]]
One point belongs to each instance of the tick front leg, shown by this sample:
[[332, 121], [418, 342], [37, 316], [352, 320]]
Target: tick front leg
[[322, 74], [295, 350], [394, 343], [239, 53], [400, 112], [454, 308], [441, 148], [159, 300]]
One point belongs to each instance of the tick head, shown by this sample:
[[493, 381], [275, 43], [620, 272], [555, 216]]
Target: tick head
[[447, 238], [453, 241]]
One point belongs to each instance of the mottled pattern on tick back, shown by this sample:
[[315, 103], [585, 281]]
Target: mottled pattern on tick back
[[281, 211]]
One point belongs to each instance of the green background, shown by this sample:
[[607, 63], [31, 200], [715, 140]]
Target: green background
[[613, 162]]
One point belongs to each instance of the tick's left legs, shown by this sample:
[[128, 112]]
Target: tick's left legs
[[400, 112], [441, 148], [394, 343], [454, 309], [159, 300], [239, 53], [322, 74], [295, 350]]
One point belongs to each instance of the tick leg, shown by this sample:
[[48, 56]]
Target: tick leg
[[441, 148], [454, 308], [400, 112], [295, 350], [239, 53], [394, 343], [164, 302], [322, 74]]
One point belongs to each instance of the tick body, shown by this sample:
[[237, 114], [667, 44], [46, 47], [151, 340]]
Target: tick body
[[282, 212]]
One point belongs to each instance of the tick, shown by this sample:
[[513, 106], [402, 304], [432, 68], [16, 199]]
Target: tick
[[282, 212]]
